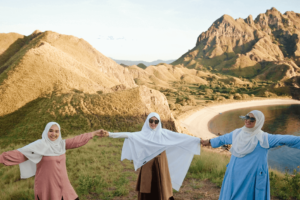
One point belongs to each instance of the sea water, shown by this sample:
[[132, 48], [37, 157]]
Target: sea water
[[279, 119]]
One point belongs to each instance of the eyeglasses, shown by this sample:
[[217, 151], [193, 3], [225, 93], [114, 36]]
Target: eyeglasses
[[252, 119], [155, 121]]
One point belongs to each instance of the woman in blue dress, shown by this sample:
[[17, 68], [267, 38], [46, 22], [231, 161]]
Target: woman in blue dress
[[247, 175]]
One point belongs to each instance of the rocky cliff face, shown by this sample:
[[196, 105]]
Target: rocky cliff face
[[242, 47]]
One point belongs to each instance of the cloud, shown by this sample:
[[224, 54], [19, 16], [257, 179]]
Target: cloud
[[111, 37], [122, 38]]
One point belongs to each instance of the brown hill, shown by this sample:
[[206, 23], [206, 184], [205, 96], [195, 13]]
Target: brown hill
[[249, 48], [38, 64], [164, 75]]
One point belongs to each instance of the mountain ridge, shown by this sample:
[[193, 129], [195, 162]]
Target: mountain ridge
[[249, 48], [131, 62]]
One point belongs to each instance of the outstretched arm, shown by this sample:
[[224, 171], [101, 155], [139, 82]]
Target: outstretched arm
[[12, 158], [118, 135], [218, 141], [288, 140], [105, 133], [82, 139]]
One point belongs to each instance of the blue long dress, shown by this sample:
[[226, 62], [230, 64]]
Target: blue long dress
[[247, 178]]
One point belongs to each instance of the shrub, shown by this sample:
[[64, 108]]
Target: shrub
[[245, 96], [221, 98], [185, 89], [286, 187], [231, 90], [208, 96], [208, 91], [186, 101], [178, 106], [203, 87], [237, 96], [172, 106], [269, 94]]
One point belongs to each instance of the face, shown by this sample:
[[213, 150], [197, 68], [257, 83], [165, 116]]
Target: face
[[248, 123], [153, 125], [53, 133]]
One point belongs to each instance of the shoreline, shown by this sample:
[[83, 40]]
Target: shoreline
[[197, 122]]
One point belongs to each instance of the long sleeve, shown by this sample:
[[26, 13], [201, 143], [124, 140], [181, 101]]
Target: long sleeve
[[288, 140], [78, 141], [12, 158], [222, 140], [119, 135]]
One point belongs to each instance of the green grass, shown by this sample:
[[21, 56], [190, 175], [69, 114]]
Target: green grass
[[95, 171], [26, 124], [209, 165]]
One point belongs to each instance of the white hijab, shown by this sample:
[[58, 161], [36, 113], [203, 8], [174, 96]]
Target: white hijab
[[143, 146], [42, 147], [244, 140]]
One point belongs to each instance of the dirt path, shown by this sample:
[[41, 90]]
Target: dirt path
[[191, 189]]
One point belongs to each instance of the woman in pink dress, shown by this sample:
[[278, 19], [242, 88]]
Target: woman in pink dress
[[46, 159]]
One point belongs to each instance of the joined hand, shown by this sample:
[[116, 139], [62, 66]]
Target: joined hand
[[205, 142], [101, 133]]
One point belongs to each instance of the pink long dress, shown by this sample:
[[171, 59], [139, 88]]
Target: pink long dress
[[51, 178]]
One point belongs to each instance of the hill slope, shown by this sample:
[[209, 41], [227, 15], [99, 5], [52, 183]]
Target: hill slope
[[165, 75], [50, 61]]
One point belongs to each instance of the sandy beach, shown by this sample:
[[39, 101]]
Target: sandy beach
[[197, 123]]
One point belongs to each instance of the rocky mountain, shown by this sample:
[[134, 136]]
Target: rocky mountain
[[266, 48]]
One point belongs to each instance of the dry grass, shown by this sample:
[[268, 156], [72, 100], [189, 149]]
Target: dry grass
[[96, 172], [10, 43]]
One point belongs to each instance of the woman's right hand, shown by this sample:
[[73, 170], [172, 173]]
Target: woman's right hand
[[100, 133]]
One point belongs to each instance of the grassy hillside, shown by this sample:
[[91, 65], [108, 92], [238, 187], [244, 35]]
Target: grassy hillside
[[79, 112]]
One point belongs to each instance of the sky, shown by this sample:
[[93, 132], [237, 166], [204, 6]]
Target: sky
[[131, 29]]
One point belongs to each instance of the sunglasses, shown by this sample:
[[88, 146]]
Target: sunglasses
[[155, 121], [252, 119]]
